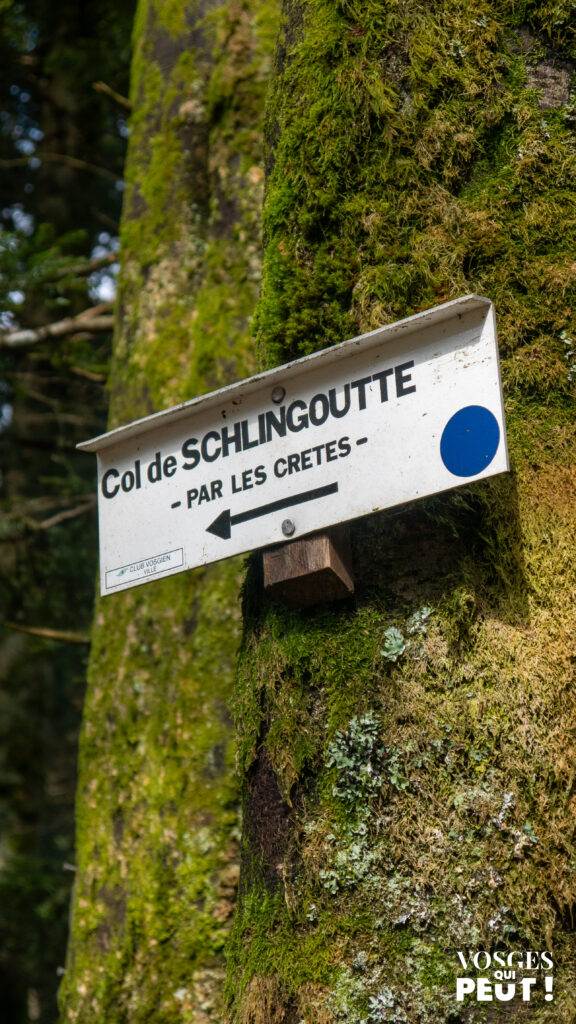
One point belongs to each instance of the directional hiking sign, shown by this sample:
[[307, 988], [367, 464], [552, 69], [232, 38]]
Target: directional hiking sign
[[408, 410]]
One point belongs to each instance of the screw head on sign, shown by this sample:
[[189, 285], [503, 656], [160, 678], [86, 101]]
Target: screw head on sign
[[288, 527], [278, 393]]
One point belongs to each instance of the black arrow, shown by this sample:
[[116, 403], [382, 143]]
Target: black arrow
[[222, 526]]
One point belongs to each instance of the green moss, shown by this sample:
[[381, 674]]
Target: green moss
[[191, 229], [449, 845], [158, 803], [174, 16], [383, 200], [412, 159], [157, 807]]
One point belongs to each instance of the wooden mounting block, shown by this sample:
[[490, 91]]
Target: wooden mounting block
[[314, 570]]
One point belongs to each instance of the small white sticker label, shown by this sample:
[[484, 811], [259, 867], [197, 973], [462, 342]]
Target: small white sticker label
[[146, 567]]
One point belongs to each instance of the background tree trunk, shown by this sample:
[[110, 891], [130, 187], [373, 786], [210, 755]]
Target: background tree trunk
[[157, 806], [411, 794]]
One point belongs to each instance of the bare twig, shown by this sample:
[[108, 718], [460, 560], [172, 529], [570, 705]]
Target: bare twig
[[60, 158], [90, 320], [46, 503], [51, 634], [22, 523], [62, 517], [122, 101], [109, 222], [98, 378], [39, 419]]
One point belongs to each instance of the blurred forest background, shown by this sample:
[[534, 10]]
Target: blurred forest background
[[63, 80]]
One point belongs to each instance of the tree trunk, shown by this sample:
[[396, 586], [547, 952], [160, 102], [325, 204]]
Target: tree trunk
[[157, 844], [410, 794]]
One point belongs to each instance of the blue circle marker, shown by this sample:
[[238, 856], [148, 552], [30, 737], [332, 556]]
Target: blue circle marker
[[470, 440]]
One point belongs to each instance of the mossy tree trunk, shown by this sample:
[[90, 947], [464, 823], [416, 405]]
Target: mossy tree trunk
[[157, 847], [408, 755]]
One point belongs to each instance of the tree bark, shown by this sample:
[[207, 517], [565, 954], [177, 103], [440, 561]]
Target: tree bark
[[157, 841], [401, 805]]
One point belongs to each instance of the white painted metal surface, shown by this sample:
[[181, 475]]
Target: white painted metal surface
[[403, 412]]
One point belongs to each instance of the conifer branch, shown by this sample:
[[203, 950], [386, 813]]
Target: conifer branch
[[80, 269]]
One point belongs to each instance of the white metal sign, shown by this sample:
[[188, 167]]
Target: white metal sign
[[403, 412]]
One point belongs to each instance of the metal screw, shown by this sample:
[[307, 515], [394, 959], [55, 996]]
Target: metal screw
[[278, 394], [288, 527]]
